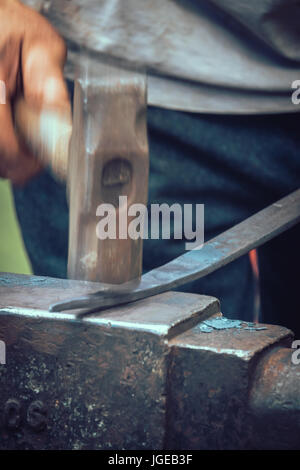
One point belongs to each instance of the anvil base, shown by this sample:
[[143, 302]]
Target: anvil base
[[168, 372]]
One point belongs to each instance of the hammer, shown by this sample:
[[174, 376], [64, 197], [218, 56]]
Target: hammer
[[104, 156]]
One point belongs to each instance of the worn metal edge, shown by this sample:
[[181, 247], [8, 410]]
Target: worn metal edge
[[285, 336], [167, 331]]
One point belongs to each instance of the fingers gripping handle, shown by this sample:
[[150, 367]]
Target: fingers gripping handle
[[46, 132]]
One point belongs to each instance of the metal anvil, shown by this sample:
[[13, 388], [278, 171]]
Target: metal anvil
[[168, 372]]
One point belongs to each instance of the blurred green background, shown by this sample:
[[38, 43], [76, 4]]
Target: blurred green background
[[13, 256]]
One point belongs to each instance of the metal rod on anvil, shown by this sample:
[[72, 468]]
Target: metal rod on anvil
[[216, 253], [108, 159]]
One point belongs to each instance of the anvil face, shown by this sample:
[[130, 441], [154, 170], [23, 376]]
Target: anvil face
[[164, 372], [102, 379]]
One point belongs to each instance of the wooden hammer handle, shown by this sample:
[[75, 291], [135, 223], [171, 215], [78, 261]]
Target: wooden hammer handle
[[108, 158]]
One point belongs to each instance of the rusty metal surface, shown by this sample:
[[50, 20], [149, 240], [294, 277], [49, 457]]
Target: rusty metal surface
[[195, 264], [96, 383], [210, 377], [275, 401], [167, 372]]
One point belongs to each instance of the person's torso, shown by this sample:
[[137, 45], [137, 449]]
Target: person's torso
[[217, 56]]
